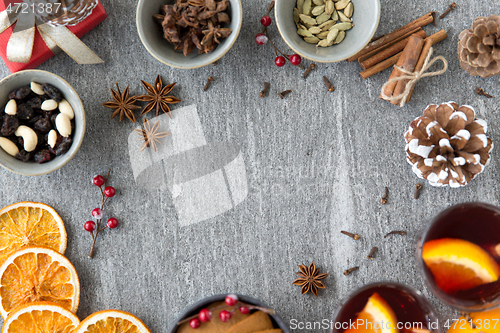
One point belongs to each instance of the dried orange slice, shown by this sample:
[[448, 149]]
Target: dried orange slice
[[38, 274], [112, 321], [41, 317], [30, 224], [457, 264], [376, 317], [484, 322]]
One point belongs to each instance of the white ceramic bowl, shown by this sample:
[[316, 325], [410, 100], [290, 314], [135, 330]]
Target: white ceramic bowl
[[152, 37], [19, 79], [366, 18]]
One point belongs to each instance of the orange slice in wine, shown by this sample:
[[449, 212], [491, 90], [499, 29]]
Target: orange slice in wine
[[376, 317], [457, 264]]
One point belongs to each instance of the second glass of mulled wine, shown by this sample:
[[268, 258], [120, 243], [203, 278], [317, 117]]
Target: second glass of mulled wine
[[459, 256]]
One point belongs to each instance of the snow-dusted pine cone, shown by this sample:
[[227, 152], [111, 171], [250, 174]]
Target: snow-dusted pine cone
[[448, 145], [58, 12], [479, 47]]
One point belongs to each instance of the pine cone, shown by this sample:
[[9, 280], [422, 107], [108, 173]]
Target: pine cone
[[479, 47], [447, 145]]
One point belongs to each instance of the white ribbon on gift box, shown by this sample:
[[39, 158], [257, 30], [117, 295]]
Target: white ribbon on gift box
[[20, 45], [205, 180]]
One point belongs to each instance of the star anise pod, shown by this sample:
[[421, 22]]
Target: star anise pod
[[150, 135], [157, 96], [123, 103], [310, 279]]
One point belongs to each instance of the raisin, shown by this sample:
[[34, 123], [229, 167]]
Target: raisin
[[35, 103], [43, 156], [43, 125], [24, 156], [62, 146], [34, 119], [9, 125], [53, 119], [20, 93], [25, 112], [52, 92]]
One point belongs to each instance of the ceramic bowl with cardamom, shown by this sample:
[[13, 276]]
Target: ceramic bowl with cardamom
[[22, 79], [208, 302], [151, 35], [365, 18]]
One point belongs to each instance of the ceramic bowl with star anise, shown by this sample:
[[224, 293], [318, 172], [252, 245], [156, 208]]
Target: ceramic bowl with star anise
[[153, 39]]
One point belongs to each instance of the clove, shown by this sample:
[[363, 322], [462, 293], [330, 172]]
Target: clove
[[264, 92], [350, 234], [383, 201], [452, 6], [209, 82], [350, 270], [418, 187], [395, 232], [480, 91], [309, 70], [372, 252], [284, 93], [328, 84]]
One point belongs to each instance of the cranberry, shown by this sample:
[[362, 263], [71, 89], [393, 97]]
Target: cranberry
[[97, 213], [109, 191], [231, 300], [89, 226], [205, 315], [261, 39], [295, 59], [98, 180], [224, 315], [194, 323], [244, 310], [265, 21], [112, 223], [280, 61]]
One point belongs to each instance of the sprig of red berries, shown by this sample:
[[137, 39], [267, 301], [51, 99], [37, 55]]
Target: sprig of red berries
[[263, 37], [94, 228], [232, 304]]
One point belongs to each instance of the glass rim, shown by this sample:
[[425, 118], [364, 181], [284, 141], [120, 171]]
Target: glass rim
[[453, 302], [430, 313]]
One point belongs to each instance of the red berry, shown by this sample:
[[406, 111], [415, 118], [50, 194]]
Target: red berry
[[231, 300], [224, 315], [261, 39], [244, 310], [89, 226], [109, 191], [97, 213], [280, 61], [295, 59], [98, 180], [112, 223], [194, 323], [205, 315], [265, 21]]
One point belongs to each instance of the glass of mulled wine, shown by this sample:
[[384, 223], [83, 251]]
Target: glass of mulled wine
[[385, 307], [459, 256]]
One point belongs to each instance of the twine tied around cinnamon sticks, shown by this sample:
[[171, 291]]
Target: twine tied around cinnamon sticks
[[413, 77]]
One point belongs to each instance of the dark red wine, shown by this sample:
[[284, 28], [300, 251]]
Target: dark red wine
[[411, 310], [479, 225]]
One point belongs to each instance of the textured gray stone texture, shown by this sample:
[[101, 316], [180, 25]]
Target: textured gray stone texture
[[317, 163]]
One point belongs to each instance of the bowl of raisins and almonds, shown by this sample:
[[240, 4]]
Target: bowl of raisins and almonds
[[42, 122]]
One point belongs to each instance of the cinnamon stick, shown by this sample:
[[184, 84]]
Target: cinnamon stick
[[383, 47], [389, 52], [436, 38], [407, 61], [418, 23], [420, 64]]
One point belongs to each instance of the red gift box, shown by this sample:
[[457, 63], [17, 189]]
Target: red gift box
[[41, 52]]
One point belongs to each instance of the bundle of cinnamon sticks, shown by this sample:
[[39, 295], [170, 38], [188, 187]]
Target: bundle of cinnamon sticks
[[385, 51]]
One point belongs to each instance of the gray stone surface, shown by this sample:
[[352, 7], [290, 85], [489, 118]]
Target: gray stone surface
[[317, 163]]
